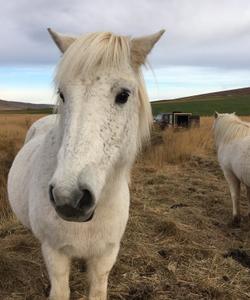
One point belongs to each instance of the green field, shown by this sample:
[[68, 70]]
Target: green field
[[237, 100], [27, 111], [206, 105]]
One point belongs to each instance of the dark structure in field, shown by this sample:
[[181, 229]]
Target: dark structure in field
[[177, 119]]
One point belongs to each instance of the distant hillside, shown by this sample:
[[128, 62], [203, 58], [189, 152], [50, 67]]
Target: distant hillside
[[237, 100], [13, 106]]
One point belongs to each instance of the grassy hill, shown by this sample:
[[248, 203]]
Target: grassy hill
[[237, 100], [8, 107]]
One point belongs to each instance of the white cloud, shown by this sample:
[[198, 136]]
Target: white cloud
[[203, 33], [206, 46]]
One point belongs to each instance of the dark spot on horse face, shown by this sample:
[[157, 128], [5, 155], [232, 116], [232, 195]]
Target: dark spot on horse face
[[98, 78]]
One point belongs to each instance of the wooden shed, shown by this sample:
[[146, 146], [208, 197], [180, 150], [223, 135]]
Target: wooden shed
[[177, 119]]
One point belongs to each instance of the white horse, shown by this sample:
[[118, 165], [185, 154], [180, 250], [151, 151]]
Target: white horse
[[232, 139], [69, 182]]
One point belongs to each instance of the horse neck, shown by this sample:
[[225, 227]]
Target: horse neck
[[229, 130]]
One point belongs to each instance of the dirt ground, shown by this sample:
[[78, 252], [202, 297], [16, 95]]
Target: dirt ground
[[179, 242]]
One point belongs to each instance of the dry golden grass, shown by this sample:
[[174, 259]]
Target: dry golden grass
[[178, 242], [12, 133], [179, 145]]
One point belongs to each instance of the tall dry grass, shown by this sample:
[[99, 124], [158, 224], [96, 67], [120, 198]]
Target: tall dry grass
[[13, 129], [178, 145], [170, 146]]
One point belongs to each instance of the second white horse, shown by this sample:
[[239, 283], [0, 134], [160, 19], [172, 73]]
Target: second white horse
[[232, 139]]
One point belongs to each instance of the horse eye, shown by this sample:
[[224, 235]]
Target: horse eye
[[122, 97], [61, 95]]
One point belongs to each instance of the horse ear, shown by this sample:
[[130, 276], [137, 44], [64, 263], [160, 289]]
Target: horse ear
[[62, 41], [216, 114], [140, 47]]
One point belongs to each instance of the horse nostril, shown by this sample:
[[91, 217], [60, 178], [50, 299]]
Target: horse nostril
[[86, 200], [51, 196]]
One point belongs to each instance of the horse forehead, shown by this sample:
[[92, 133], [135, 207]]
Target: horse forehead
[[100, 79], [107, 76], [91, 80]]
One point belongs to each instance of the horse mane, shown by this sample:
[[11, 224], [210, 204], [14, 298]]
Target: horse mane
[[105, 50], [229, 127]]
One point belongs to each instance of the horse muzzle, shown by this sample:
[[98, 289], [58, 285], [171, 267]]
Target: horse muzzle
[[78, 207]]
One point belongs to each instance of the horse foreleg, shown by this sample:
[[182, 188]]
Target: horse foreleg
[[58, 266], [234, 187], [98, 272]]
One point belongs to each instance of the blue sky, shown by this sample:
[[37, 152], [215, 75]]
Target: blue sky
[[27, 84], [35, 84], [206, 46]]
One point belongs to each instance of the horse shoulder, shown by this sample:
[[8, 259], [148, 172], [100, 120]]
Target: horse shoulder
[[40, 127]]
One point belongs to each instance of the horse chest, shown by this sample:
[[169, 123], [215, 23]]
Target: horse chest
[[83, 242]]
